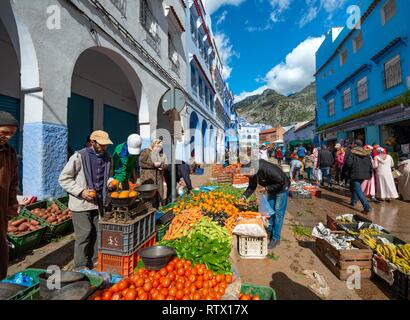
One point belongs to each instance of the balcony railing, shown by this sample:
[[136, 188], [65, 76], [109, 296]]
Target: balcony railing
[[150, 25]]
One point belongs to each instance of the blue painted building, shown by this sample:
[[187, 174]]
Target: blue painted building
[[363, 77]]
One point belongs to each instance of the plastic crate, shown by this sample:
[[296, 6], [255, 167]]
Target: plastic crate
[[162, 230], [53, 230], [63, 201], [27, 241], [33, 292], [252, 247], [30, 292], [124, 238], [265, 293], [401, 285], [122, 265]]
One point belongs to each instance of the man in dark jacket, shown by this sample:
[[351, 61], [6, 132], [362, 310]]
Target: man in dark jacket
[[359, 163], [183, 171], [275, 186], [9, 185], [325, 162]]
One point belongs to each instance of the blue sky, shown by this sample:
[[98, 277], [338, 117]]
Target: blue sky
[[272, 43]]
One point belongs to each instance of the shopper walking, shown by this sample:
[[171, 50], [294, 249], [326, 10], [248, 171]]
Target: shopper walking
[[325, 163], [359, 164], [86, 178], [340, 161], [386, 188], [369, 186], [309, 165], [404, 179], [279, 155], [9, 185], [275, 188]]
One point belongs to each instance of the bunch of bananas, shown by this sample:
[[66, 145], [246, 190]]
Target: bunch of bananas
[[368, 240], [402, 260], [370, 231], [389, 251]]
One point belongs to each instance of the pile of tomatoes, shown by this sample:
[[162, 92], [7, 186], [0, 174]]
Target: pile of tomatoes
[[179, 280], [248, 297]]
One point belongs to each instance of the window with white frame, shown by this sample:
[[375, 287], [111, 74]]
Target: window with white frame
[[358, 42], [150, 24], [343, 57], [388, 11], [331, 107], [193, 29], [392, 73], [347, 98], [362, 90], [173, 54], [201, 89]]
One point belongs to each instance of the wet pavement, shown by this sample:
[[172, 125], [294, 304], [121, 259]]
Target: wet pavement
[[394, 216]]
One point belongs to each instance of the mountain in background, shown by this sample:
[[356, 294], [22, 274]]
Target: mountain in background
[[278, 110]]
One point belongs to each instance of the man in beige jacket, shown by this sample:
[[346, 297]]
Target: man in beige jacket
[[86, 178]]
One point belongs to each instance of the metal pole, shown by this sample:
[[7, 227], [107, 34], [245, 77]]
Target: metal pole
[[173, 171]]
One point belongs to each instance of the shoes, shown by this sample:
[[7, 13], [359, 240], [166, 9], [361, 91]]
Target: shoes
[[375, 200], [367, 211], [273, 244]]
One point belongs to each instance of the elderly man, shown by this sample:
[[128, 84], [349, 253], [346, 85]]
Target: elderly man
[[9, 185], [86, 178]]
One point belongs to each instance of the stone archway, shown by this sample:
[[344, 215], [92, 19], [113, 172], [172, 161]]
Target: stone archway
[[107, 92]]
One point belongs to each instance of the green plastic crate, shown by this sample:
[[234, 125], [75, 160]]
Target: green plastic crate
[[52, 230], [30, 292], [33, 292], [162, 230], [63, 201], [265, 293], [28, 241]]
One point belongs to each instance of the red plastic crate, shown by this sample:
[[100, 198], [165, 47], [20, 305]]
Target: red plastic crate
[[123, 265]]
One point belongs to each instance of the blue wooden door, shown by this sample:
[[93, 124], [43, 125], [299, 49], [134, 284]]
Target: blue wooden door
[[80, 121], [119, 125]]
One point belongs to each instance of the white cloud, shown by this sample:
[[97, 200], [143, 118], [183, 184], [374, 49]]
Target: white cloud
[[278, 6], [222, 18], [294, 73], [226, 53], [212, 6], [310, 14]]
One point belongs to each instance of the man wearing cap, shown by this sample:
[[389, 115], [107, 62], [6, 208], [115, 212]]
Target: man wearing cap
[[9, 185], [125, 159], [86, 178]]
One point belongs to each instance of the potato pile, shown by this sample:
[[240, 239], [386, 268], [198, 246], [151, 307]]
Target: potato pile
[[53, 214], [20, 227]]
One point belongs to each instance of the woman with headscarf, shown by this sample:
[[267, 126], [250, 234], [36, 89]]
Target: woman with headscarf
[[152, 165], [383, 163], [369, 186], [404, 179]]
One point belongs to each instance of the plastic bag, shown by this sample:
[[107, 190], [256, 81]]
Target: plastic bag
[[233, 290], [317, 173], [264, 207]]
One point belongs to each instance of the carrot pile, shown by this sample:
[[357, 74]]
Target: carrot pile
[[182, 223]]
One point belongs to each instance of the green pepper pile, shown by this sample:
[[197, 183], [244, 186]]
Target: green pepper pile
[[207, 243]]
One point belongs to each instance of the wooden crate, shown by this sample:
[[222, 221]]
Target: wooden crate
[[338, 261]]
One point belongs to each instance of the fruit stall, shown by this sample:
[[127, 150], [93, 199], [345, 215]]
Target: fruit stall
[[189, 260], [353, 240]]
